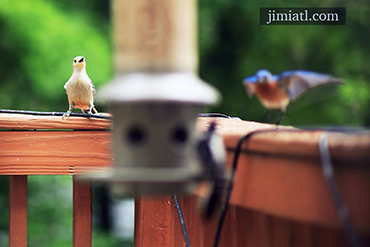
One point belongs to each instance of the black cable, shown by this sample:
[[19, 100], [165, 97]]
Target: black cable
[[328, 173], [38, 113], [327, 169], [214, 115], [228, 191], [73, 114], [182, 221], [232, 176], [234, 167]]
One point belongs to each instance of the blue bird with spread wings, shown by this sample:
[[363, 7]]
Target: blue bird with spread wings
[[277, 91]]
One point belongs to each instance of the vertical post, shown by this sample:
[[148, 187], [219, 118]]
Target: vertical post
[[154, 221], [18, 211], [82, 213], [139, 221], [155, 35]]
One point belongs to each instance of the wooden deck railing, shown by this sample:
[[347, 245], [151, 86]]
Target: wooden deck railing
[[279, 199], [39, 145]]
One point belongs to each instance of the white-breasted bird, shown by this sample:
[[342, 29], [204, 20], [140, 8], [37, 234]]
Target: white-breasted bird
[[212, 155], [80, 88]]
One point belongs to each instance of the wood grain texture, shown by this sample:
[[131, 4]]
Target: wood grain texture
[[291, 143], [82, 213], [154, 222], [243, 227], [296, 189], [18, 211], [155, 36], [53, 152], [139, 221], [284, 167], [193, 220], [23, 121]]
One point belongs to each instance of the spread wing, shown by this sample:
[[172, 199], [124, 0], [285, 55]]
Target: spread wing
[[248, 83], [294, 83]]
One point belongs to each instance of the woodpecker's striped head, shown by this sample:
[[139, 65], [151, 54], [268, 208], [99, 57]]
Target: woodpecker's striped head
[[79, 62]]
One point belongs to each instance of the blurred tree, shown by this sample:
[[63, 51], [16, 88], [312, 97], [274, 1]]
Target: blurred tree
[[39, 39], [234, 45], [38, 43]]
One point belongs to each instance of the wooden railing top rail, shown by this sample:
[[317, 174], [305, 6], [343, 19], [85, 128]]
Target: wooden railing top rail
[[279, 172], [29, 122]]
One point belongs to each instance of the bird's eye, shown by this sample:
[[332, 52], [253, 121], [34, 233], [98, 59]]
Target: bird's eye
[[81, 60], [74, 61]]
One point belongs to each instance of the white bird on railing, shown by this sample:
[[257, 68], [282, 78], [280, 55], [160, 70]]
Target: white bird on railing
[[80, 89]]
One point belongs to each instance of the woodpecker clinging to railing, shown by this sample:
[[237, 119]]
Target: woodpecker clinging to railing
[[212, 154], [80, 89]]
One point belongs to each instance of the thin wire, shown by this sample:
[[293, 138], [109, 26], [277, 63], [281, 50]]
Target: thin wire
[[228, 191], [213, 115], [233, 171], [324, 154], [232, 177], [86, 115], [182, 221], [327, 169], [38, 113]]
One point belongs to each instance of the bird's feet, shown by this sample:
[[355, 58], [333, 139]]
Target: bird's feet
[[91, 110], [67, 114], [280, 118], [267, 117]]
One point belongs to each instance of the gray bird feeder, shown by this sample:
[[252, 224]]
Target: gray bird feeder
[[154, 131], [155, 98]]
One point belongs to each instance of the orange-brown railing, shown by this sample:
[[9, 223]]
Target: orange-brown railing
[[280, 197], [39, 145]]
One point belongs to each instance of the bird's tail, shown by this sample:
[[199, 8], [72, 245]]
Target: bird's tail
[[212, 203]]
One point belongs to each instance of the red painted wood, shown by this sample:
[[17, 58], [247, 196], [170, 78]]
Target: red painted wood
[[24, 121], [54, 152], [280, 232], [278, 183], [157, 224], [243, 224], [18, 211], [193, 220], [82, 213], [139, 221], [177, 234], [228, 234]]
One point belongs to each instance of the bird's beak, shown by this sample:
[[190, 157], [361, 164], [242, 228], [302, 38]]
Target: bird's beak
[[79, 65], [250, 89]]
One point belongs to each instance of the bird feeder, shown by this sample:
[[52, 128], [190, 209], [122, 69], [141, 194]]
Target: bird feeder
[[155, 98]]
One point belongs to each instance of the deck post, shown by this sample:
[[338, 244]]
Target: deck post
[[18, 211], [82, 213]]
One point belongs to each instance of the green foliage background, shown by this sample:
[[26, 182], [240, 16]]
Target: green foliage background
[[233, 45], [39, 38]]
